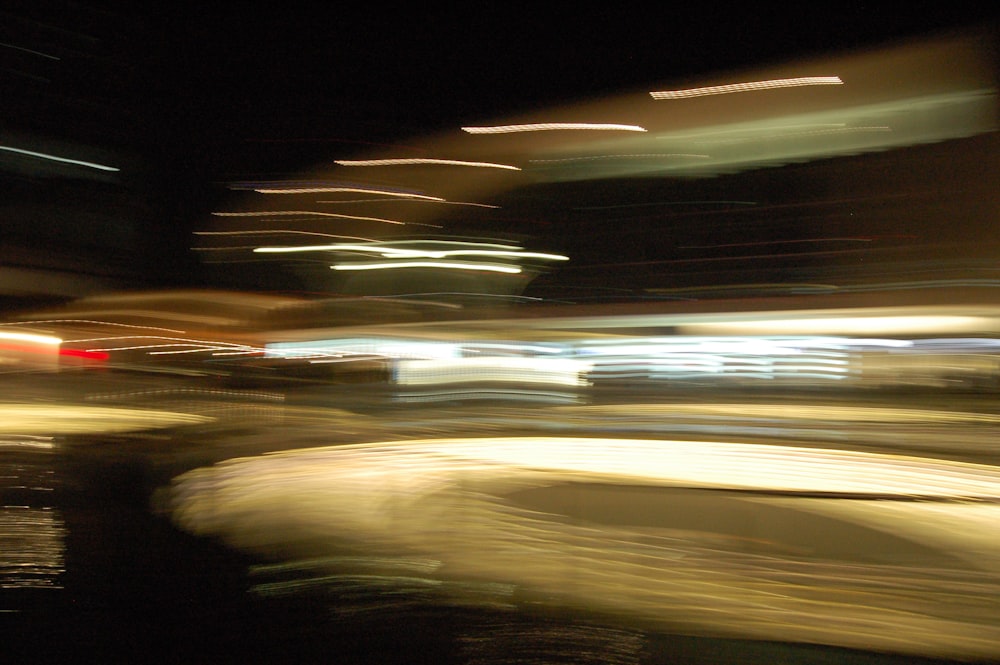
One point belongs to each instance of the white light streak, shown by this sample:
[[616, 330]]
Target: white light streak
[[489, 267], [91, 321], [393, 252], [551, 126], [411, 199], [54, 158], [746, 87], [31, 51], [417, 160], [306, 213], [279, 232]]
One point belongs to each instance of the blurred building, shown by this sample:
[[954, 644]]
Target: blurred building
[[870, 170]]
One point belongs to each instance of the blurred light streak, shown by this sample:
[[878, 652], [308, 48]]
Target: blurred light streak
[[31, 51], [55, 419], [54, 158], [451, 500], [389, 251], [529, 371], [450, 265], [249, 352], [746, 87], [519, 394], [89, 321], [201, 349], [361, 346], [80, 353], [817, 413], [356, 190], [854, 325], [771, 136], [550, 126], [161, 337], [350, 359], [421, 161], [411, 199], [32, 338], [594, 158], [32, 547], [304, 213], [279, 232], [169, 392], [28, 442], [468, 294]]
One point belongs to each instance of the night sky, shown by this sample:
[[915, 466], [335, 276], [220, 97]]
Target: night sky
[[298, 74]]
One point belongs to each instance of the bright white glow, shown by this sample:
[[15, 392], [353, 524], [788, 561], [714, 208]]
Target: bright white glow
[[300, 213], [415, 160], [490, 267], [549, 371], [549, 126], [48, 340], [746, 87], [363, 347], [53, 158]]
